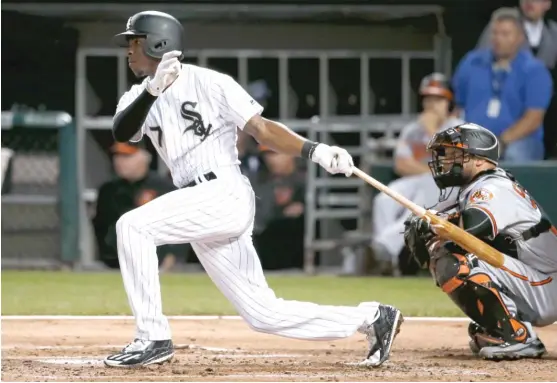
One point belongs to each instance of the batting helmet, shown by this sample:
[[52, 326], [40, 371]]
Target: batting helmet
[[163, 33], [470, 140], [436, 84]]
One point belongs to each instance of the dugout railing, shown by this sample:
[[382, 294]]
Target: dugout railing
[[39, 190], [334, 203]]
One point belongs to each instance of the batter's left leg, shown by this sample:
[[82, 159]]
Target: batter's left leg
[[234, 267]]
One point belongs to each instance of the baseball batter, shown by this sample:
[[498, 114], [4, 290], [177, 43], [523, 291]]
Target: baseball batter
[[504, 303], [191, 114], [415, 182]]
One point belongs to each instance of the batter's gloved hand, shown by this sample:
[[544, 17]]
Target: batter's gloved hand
[[167, 71], [333, 159]]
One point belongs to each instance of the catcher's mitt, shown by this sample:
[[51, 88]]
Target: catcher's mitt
[[417, 233]]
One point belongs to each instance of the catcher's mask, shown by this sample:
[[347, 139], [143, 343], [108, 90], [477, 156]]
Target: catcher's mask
[[452, 148]]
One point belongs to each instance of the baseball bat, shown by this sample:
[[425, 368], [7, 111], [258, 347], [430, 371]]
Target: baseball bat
[[442, 227]]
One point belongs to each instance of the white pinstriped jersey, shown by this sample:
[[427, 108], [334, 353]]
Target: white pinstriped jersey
[[512, 211], [193, 123]]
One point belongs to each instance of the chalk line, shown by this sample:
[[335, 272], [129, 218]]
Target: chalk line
[[177, 377], [188, 317], [110, 347], [195, 318]]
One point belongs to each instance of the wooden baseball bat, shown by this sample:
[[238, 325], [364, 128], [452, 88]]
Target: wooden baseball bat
[[442, 227]]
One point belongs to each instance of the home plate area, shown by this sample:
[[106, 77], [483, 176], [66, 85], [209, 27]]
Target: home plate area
[[227, 350]]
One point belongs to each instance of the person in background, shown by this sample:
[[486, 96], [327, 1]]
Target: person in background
[[133, 186], [541, 33], [506, 89], [279, 217], [411, 164], [541, 39]]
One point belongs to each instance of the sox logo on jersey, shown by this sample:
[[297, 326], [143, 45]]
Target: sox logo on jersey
[[197, 125]]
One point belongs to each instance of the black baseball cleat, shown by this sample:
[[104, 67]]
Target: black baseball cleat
[[479, 338], [142, 353], [495, 348], [385, 329]]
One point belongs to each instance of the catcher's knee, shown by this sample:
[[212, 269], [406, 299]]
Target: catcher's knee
[[477, 295], [451, 270]]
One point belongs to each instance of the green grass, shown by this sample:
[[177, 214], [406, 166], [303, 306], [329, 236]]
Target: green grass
[[66, 293]]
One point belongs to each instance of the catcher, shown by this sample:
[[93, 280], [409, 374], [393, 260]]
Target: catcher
[[504, 304]]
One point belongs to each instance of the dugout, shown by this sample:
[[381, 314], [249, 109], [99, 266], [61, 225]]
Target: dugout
[[328, 60]]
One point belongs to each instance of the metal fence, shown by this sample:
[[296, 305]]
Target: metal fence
[[39, 191]]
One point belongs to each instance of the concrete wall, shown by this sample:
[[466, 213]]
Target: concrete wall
[[276, 36]]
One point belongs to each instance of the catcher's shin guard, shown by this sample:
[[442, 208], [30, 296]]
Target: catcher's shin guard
[[479, 298]]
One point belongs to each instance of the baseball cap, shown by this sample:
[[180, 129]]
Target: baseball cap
[[124, 148], [436, 84]]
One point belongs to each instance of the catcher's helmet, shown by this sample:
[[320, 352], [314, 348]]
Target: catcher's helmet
[[469, 140], [436, 84], [163, 33]]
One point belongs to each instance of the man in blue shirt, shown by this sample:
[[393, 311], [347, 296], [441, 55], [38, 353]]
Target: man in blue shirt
[[506, 89]]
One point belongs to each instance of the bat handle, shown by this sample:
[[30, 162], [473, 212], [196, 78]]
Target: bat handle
[[416, 209]]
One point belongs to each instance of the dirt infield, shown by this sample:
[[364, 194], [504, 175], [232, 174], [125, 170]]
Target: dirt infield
[[227, 350]]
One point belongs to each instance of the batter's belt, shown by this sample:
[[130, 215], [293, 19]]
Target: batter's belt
[[206, 177]]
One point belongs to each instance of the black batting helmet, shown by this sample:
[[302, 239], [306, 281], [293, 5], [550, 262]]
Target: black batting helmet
[[469, 140], [436, 84], [163, 33]]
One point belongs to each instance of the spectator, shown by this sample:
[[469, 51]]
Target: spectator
[[279, 217], [416, 182], [506, 89], [541, 34], [134, 186]]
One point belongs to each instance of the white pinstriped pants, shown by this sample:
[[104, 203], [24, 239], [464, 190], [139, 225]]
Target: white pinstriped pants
[[216, 217]]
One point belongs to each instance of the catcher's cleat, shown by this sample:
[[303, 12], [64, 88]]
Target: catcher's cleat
[[532, 348], [473, 329], [495, 348], [381, 335], [142, 353], [480, 338]]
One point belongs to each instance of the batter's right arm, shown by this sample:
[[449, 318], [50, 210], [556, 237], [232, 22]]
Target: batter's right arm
[[283, 140], [245, 112], [275, 135]]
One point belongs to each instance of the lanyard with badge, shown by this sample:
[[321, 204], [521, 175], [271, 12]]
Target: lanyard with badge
[[498, 78]]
